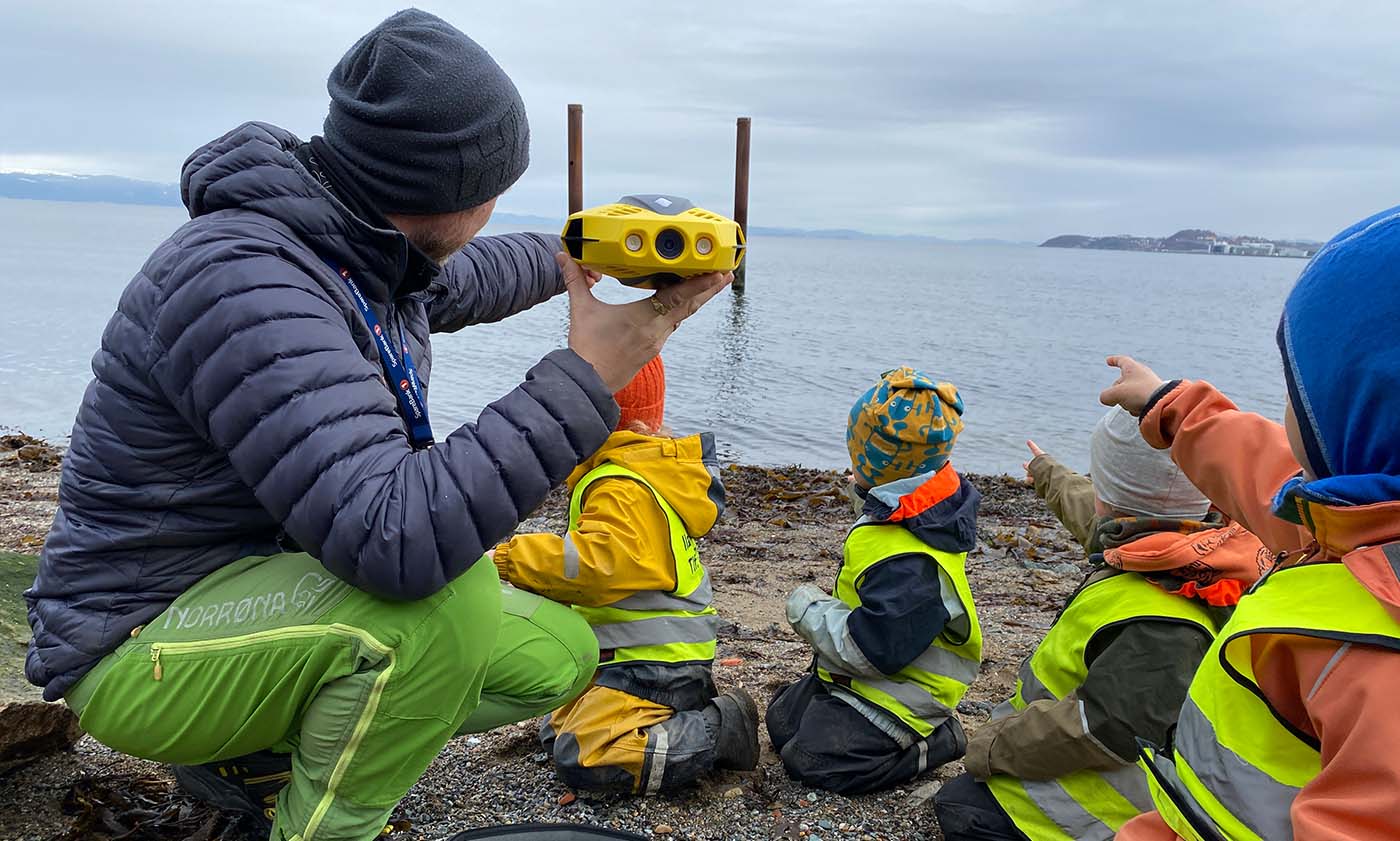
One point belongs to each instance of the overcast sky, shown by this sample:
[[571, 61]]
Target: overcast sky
[[994, 118]]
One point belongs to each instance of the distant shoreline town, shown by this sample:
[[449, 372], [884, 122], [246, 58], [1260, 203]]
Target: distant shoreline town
[[1191, 241]]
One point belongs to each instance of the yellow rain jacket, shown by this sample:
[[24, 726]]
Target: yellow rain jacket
[[622, 537]]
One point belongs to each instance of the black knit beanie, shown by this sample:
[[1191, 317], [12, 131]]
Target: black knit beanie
[[424, 118]]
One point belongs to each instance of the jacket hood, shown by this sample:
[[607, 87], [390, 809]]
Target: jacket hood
[[685, 471], [1215, 565], [939, 508], [1364, 537], [1378, 570], [1111, 532], [1342, 365], [253, 168]]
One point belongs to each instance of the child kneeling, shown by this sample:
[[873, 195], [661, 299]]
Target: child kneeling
[[899, 643], [629, 564]]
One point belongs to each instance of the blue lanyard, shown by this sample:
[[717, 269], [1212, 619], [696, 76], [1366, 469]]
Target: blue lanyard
[[402, 374]]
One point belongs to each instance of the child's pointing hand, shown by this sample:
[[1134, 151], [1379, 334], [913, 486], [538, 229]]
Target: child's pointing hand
[[1135, 385], [1036, 452]]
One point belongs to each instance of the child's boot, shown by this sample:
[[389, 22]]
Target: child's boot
[[735, 718]]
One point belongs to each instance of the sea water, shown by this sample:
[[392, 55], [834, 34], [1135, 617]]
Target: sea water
[[1021, 331]]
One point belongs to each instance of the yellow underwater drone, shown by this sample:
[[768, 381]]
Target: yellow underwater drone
[[646, 240]]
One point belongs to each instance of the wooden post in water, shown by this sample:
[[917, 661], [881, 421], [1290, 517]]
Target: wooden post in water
[[741, 192], [575, 158]]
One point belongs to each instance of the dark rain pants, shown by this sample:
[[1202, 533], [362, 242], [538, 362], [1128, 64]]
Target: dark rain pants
[[967, 811], [827, 743]]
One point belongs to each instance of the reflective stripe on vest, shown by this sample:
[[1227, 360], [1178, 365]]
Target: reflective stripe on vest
[[679, 626], [924, 693], [1237, 767], [1085, 804]]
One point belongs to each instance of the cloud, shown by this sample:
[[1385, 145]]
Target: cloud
[[1012, 119]]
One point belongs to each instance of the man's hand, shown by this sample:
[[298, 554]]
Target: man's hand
[[618, 339], [1036, 452], [1135, 385]]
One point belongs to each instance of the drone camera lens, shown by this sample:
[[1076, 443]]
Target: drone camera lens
[[670, 244]]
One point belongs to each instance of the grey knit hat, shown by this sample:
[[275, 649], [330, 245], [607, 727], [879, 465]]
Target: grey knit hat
[[1131, 476], [424, 118]]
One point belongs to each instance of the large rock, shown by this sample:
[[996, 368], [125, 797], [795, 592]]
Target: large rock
[[29, 726]]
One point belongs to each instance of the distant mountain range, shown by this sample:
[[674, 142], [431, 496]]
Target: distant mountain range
[[117, 190], [1190, 241], [90, 188]]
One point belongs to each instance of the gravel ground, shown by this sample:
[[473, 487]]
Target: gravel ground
[[28, 491], [784, 527]]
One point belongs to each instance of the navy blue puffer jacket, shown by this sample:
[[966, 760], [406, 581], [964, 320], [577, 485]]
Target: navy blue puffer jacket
[[238, 394]]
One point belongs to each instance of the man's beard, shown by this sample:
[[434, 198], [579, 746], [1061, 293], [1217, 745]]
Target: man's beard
[[438, 248]]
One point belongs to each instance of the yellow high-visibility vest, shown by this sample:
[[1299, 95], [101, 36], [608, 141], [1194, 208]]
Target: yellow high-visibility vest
[[924, 693], [1086, 804], [679, 626], [1235, 767]]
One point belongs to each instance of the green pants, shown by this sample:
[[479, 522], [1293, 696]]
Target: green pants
[[276, 653]]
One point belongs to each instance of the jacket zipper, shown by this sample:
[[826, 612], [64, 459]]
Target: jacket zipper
[[293, 632]]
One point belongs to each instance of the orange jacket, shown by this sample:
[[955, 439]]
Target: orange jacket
[[622, 537], [1342, 694]]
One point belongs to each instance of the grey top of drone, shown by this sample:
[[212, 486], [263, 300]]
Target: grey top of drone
[[658, 203]]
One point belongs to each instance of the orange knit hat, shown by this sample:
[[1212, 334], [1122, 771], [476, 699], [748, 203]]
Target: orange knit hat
[[644, 399]]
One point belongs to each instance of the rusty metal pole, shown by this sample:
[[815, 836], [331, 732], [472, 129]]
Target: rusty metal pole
[[741, 192], [575, 158]]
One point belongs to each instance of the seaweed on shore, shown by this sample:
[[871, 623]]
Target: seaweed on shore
[[37, 456], [780, 495], [122, 808]]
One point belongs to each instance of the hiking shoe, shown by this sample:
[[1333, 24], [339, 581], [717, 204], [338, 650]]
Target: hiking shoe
[[736, 738], [247, 785]]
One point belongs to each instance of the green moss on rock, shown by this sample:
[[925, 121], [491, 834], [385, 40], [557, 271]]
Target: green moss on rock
[[16, 575]]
